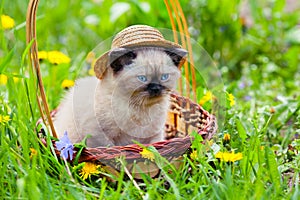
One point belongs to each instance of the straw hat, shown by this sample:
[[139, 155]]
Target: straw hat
[[133, 36]]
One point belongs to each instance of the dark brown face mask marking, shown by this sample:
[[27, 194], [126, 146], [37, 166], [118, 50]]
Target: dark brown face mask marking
[[120, 57], [176, 54]]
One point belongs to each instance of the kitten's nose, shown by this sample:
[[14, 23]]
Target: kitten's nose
[[154, 89]]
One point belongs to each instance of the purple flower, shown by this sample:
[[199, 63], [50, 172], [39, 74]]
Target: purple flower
[[65, 147], [247, 98], [242, 85]]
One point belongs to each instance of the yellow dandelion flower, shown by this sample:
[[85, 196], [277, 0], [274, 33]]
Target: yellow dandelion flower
[[90, 58], [207, 97], [56, 57], [231, 99], [194, 155], [7, 22], [4, 119], [262, 148], [229, 157], [33, 153], [3, 79], [147, 154], [42, 55], [67, 83], [16, 79], [226, 137], [91, 72], [89, 169]]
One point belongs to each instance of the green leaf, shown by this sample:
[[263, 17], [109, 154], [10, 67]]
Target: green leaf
[[81, 145], [6, 60], [25, 53], [273, 168], [279, 5], [241, 130]]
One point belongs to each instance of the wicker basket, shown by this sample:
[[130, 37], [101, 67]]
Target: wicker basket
[[184, 117]]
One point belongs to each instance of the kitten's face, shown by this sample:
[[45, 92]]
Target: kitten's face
[[146, 75]]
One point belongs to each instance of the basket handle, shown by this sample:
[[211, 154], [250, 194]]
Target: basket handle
[[186, 43], [35, 65]]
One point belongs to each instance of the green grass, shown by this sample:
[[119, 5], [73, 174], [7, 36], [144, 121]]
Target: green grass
[[259, 66]]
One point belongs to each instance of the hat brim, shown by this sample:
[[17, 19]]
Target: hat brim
[[102, 62]]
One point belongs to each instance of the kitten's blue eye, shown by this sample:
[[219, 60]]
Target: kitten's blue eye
[[142, 78], [164, 77]]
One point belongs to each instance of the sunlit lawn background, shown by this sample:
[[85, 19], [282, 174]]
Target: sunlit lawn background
[[256, 48]]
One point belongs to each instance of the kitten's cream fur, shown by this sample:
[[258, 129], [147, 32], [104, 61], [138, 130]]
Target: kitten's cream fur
[[117, 109]]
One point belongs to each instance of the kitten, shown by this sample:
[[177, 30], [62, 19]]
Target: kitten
[[129, 103]]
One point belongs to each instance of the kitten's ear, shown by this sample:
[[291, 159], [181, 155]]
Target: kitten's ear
[[119, 57], [177, 55], [115, 58]]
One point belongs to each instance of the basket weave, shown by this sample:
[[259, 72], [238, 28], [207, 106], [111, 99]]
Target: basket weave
[[184, 117]]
